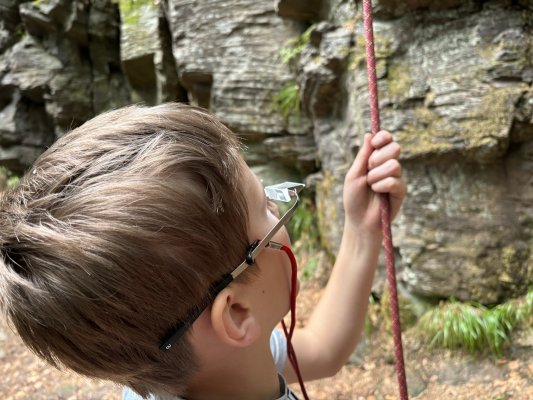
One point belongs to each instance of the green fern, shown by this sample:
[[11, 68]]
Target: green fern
[[287, 101], [296, 46], [304, 222], [474, 327]]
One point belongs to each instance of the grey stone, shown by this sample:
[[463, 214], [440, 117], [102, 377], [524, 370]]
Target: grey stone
[[10, 23], [415, 383], [146, 55], [227, 59], [25, 122], [454, 86], [29, 67], [17, 158], [300, 10], [454, 80], [395, 8], [295, 150]]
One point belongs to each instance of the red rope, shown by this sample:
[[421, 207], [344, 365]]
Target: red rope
[[385, 204]]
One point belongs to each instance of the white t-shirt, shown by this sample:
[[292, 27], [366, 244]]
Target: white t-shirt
[[278, 347]]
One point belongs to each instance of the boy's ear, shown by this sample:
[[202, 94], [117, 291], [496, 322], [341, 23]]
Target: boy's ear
[[233, 320]]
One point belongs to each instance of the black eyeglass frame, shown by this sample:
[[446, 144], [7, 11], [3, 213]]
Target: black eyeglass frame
[[292, 189]]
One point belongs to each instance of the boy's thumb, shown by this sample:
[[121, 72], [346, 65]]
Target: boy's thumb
[[360, 165]]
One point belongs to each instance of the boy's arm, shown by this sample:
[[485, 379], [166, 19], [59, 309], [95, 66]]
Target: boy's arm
[[334, 328]]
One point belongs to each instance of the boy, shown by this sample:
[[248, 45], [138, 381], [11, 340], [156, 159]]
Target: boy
[[118, 245]]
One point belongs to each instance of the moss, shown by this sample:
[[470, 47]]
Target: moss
[[326, 209], [399, 80], [509, 258], [408, 317], [383, 45], [130, 10], [426, 137], [515, 272], [344, 52], [484, 133], [382, 50], [489, 124], [357, 57]]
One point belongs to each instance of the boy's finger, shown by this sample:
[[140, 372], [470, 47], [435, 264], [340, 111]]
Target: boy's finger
[[388, 152], [380, 139], [390, 168], [392, 185], [360, 165]]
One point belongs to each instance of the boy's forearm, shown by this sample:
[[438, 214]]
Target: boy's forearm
[[338, 319]]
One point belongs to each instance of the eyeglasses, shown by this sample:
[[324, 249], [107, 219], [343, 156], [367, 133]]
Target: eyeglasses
[[286, 192]]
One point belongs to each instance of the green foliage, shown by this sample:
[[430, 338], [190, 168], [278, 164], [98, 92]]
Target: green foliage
[[525, 312], [373, 316], [130, 10], [304, 222], [293, 50], [20, 32], [12, 181], [310, 267], [8, 179], [304, 233], [474, 327], [287, 101], [408, 315]]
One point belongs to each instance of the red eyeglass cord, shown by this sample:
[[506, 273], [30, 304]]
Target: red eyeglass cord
[[291, 354]]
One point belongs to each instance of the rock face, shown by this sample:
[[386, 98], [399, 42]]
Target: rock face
[[454, 82], [227, 56], [58, 67], [455, 87], [146, 54]]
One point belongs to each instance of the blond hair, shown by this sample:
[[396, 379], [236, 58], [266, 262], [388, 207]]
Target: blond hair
[[114, 234]]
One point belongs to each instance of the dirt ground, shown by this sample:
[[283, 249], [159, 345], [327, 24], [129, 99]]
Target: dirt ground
[[431, 375]]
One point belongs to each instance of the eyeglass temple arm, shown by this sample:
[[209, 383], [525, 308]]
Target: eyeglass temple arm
[[182, 327], [282, 221], [259, 245]]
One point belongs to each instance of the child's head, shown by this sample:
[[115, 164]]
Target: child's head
[[114, 233]]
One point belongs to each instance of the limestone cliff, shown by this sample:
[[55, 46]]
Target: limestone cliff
[[454, 84]]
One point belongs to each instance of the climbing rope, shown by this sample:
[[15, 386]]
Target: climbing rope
[[384, 203]]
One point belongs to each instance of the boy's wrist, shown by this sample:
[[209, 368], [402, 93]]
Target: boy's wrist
[[357, 233], [361, 241]]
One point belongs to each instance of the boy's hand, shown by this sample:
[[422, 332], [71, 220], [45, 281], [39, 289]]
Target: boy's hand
[[376, 169], [328, 339]]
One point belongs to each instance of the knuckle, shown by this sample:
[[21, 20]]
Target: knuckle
[[395, 166], [396, 149]]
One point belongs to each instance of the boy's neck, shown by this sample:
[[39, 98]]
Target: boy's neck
[[250, 374]]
